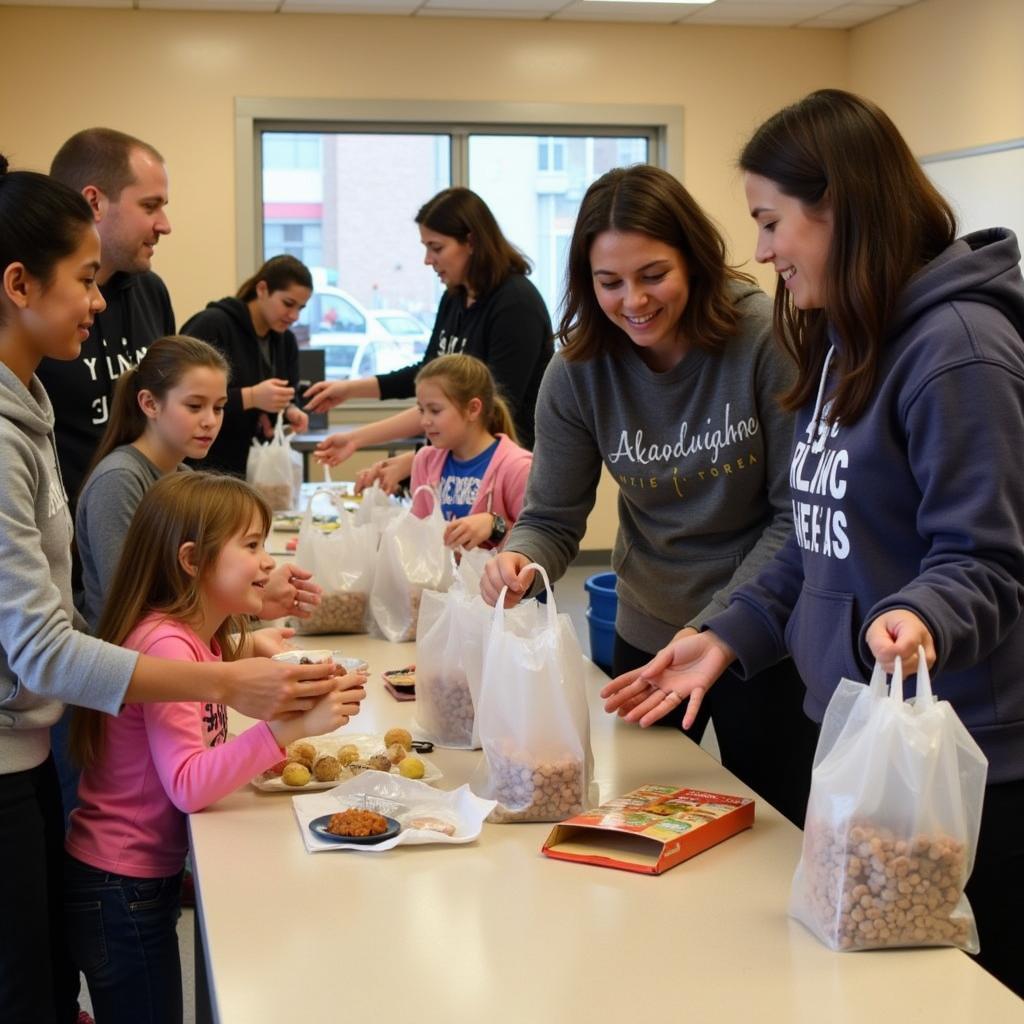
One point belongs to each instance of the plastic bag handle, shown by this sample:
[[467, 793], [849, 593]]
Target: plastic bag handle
[[499, 607], [878, 685], [896, 688], [279, 428], [925, 694], [339, 508], [424, 487]]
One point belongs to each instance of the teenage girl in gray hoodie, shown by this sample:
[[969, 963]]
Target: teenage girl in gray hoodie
[[49, 256]]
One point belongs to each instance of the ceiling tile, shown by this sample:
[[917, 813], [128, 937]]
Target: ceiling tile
[[849, 15], [462, 12], [658, 13], [254, 6], [486, 8], [350, 6], [781, 13]]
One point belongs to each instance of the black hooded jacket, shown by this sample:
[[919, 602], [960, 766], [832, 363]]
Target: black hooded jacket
[[227, 325]]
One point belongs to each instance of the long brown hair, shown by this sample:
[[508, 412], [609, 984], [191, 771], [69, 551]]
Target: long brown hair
[[206, 509], [278, 273], [649, 201], [166, 361], [464, 216], [463, 378], [838, 152]]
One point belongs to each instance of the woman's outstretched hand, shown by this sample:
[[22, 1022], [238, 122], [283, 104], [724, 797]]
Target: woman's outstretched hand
[[687, 668]]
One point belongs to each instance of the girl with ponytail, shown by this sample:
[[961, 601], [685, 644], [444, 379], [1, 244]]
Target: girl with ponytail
[[473, 459]]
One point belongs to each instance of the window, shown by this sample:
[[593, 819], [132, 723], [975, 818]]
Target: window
[[341, 195]]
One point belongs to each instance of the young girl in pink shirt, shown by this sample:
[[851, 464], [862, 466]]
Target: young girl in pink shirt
[[473, 461], [192, 570]]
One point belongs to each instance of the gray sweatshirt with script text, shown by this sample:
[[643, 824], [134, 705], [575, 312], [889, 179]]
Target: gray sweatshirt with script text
[[700, 455]]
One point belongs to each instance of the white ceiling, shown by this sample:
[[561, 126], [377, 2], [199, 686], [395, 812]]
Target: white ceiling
[[773, 13]]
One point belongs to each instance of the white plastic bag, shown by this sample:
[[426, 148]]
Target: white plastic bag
[[532, 716], [450, 637], [377, 508], [342, 563], [275, 470], [892, 821], [412, 558]]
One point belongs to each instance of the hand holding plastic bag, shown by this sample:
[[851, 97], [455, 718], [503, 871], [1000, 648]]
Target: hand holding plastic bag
[[892, 820], [532, 718]]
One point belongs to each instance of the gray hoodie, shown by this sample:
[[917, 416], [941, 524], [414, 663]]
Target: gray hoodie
[[700, 454], [44, 661]]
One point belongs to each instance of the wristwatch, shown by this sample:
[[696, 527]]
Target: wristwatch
[[498, 528]]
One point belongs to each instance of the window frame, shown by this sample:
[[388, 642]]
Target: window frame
[[661, 125]]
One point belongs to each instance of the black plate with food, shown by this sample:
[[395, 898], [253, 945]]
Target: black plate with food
[[318, 826]]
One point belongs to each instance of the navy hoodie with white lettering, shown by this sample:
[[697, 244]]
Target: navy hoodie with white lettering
[[917, 505]]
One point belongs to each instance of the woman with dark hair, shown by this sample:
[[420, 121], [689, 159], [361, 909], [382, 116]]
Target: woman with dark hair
[[251, 329], [668, 377], [904, 479], [49, 257], [490, 310]]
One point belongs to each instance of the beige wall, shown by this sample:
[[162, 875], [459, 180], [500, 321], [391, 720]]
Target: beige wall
[[949, 72], [172, 78]]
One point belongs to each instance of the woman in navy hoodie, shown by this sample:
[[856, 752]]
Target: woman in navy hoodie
[[252, 331], [908, 499]]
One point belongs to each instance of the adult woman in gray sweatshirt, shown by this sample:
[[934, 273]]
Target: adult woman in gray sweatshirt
[[49, 256], [668, 377]]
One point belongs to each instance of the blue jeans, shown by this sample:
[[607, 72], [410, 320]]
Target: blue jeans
[[123, 937]]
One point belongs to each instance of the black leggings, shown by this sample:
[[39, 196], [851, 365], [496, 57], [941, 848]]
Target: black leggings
[[38, 984], [764, 736]]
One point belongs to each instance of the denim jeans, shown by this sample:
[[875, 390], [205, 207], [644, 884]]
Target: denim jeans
[[38, 983], [123, 937]]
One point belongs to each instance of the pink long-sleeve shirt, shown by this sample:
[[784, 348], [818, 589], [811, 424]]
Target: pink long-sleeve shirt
[[159, 763]]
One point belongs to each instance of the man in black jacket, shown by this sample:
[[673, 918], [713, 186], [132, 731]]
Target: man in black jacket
[[125, 182]]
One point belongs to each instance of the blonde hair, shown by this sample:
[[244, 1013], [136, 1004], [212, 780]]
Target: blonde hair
[[204, 509], [463, 378]]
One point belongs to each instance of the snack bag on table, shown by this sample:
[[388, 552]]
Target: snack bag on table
[[412, 558], [342, 563], [532, 716], [275, 470], [892, 821], [450, 637]]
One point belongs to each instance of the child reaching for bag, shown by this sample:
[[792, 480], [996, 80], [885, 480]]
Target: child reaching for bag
[[473, 460], [193, 567]]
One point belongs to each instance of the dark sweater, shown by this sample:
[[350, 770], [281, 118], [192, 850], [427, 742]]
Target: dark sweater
[[227, 324], [138, 312], [508, 328], [917, 505]]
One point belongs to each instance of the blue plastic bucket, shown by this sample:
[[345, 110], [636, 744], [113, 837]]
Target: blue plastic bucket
[[601, 618], [601, 589], [602, 640]]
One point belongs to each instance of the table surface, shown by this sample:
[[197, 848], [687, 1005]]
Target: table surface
[[495, 931]]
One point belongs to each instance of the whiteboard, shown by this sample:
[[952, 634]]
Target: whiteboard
[[984, 185]]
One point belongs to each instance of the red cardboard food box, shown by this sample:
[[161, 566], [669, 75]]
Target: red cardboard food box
[[650, 829]]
